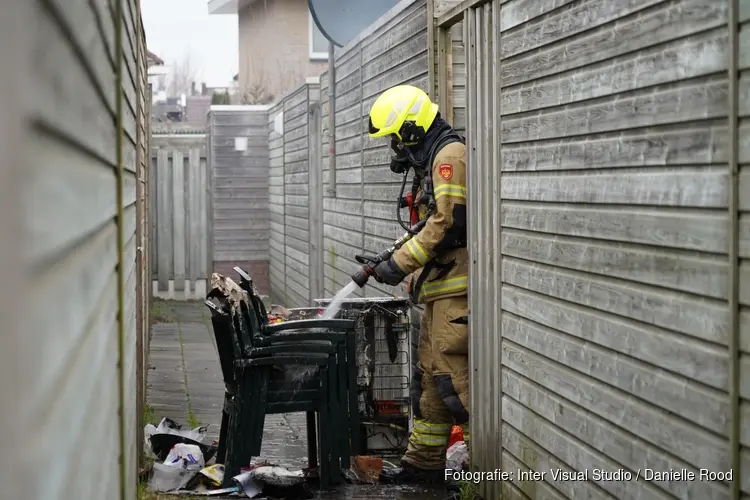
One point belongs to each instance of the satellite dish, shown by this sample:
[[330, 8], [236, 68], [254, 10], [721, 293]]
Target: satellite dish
[[340, 21]]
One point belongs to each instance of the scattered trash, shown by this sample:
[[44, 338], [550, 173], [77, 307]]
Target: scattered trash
[[457, 456], [180, 468], [368, 469], [162, 438], [274, 482], [278, 476], [278, 314], [233, 491], [247, 484], [214, 474]]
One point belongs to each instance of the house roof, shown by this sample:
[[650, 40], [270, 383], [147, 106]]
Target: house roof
[[153, 59], [227, 6]]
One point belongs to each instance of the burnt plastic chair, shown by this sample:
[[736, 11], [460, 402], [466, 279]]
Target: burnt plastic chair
[[338, 332], [254, 389], [248, 358]]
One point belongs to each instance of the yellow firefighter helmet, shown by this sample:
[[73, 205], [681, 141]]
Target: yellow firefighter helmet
[[404, 111]]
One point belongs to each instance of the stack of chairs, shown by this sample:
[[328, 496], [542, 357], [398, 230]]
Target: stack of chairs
[[251, 353]]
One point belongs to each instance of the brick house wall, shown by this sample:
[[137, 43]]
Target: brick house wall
[[274, 48]]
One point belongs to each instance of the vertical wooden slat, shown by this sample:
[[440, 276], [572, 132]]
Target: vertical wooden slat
[[473, 218], [733, 253], [315, 190], [195, 201], [449, 98], [150, 234], [164, 210], [153, 210], [442, 79], [206, 225], [482, 221], [178, 218], [495, 347], [139, 232]]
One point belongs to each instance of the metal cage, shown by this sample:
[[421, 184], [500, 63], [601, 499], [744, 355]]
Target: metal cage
[[384, 367]]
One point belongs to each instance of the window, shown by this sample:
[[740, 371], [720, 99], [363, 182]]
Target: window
[[318, 42]]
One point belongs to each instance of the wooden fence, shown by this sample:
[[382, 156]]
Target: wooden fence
[[607, 154], [72, 215], [607, 289], [180, 216]]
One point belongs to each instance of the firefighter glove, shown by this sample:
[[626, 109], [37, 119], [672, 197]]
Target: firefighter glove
[[388, 272]]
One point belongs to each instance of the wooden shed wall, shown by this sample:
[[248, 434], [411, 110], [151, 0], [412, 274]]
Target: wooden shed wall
[[75, 350], [601, 153], [240, 217]]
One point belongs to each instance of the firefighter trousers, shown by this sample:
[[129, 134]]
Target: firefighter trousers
[[440, 385]]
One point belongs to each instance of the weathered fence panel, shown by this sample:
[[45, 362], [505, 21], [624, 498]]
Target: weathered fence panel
[[239, 187], [600, 282], [179, 219], [296, 198], [71, 352]]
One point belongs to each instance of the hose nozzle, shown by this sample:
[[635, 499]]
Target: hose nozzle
[[362, 276]]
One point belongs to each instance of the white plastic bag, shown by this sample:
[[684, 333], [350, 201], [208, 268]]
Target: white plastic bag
[[457, 456], [185, 455], [172, 477]]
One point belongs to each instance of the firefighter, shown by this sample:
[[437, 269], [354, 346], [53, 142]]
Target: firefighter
[[423, 141]]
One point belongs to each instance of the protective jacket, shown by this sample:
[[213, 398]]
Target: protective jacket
[[438, 252]]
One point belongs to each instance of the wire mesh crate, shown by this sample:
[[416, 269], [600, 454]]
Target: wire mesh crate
[[384, 365]]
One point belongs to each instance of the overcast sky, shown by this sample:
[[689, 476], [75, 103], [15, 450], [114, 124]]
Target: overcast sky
[[175, 28]]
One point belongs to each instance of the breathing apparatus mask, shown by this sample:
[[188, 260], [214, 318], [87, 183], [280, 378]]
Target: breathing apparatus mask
[[404, 160]]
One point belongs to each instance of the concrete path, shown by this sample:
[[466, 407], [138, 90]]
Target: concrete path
[[185, 384]]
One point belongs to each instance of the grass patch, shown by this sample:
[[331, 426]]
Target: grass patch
[[144, 494], [468, 490], [160, 312], [149, 415], [192, 421]]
